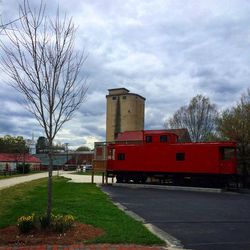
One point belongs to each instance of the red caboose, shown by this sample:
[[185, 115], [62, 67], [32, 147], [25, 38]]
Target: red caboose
[[158, 154]]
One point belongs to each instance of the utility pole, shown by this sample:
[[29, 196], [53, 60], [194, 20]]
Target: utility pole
[[67, 151]]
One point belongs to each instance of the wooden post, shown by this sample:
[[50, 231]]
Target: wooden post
[[106, 178], [99, 166], [92, 176], [102, 177]]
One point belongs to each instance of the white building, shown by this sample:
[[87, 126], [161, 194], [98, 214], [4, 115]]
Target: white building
[[31, 144]]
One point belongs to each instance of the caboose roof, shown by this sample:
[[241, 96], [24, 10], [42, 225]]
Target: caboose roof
[[138, 135], [130, 136], [182, 133]]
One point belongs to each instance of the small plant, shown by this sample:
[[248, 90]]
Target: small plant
[[23, 168], [61, 223], [25, 223], [44, 222]]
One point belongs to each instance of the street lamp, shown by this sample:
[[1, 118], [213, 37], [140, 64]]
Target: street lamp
[[67, 151]]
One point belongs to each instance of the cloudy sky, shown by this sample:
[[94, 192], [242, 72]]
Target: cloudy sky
[[165, 50]]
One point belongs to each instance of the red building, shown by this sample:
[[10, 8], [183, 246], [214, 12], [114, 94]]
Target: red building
[[10, 161]]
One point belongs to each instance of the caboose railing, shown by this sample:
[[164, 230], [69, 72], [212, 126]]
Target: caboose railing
[[99, 163], [99, 166]]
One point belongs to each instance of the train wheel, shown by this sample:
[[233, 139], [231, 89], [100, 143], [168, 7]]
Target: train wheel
[[178, 180], [144, 179], [119, 178], [126, 179], [136, 179]]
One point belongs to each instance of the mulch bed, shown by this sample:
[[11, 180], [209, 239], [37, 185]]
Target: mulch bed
[[10, 236]]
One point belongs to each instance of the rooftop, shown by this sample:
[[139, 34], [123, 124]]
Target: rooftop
[[5, 157]]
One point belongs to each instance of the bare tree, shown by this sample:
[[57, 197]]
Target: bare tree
[[44, 67], [5, 25], [198, 117], [234, 124]]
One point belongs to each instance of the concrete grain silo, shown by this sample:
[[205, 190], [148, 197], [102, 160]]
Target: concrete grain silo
[[125, 112]]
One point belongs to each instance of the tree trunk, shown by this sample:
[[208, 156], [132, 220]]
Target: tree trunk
[[50, 171]]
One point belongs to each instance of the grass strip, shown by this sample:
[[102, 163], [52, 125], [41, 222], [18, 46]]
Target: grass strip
[[84, 201]]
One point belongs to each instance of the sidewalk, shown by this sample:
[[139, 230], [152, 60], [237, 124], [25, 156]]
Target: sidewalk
[[5, 183], [77, 178]]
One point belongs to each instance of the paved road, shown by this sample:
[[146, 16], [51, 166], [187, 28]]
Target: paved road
[[201, 221], [5, 183]]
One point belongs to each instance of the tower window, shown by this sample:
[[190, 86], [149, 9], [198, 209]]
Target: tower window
[[124, 97], [114, 98]]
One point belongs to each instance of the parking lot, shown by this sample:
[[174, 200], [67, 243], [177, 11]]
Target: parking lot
[[200, 220]]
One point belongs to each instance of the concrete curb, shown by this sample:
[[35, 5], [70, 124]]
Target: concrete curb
[[172, 188], [171, 242]]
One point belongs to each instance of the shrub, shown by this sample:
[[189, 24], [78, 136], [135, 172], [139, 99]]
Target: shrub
[[23, 168], [62, 223], [25, 223]]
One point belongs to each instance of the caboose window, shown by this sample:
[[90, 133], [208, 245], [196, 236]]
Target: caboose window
[[180, 156], [227, 153], [163, 138], [121, 156], [148, 138], [111, 154]]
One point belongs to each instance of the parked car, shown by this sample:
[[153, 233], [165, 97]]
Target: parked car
[[69, 167], [87, 167]]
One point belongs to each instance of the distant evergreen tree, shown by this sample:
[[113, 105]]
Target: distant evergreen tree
[[83, 148], [42, 145]]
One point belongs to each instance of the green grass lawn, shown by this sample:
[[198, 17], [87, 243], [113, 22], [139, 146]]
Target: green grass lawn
[[84, 201]]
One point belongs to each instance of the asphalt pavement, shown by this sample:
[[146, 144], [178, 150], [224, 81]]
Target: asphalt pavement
[[199, 220]]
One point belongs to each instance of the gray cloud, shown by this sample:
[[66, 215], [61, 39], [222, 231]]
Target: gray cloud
[[163, 50]]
